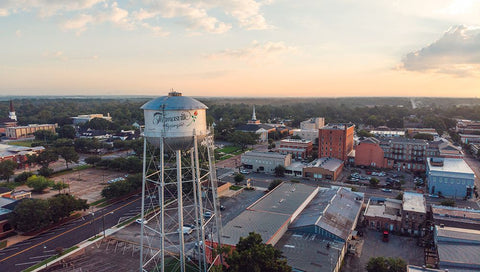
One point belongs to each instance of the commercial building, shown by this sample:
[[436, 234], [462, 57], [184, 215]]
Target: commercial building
[[458, 249], [265, 161], [450, 177], [336, 141], [305, 222], [388, 133], [468, 127], [324, 168], [383, 214], [475, 148], [313, 123], [405, 154], [27, 131], [413, 268], [414, 213], [443, 149], [369, 153], [80, 119], [310, 134], [18, 154], [470, 138], [455, 217], [300, 149], [271, 215], [430, 131]]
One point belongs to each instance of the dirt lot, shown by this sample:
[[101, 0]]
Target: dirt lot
[[371, 245], [86, 184]]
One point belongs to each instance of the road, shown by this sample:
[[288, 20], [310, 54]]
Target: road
[[29, 252]]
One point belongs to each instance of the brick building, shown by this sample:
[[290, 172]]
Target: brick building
[[369, 153], [383, 214], [300, 149], [336, 141], [26, 131], [414, 213], [406, 154]]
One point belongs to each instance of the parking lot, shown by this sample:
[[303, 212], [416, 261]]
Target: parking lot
[[386, 178], [371, 245]]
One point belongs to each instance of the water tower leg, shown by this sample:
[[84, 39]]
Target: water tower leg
[[180, 210], [203, 246], [195, 204], [161, 199], [143, 202]]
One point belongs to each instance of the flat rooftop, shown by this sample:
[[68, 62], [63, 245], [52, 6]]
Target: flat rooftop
[[264, 154], [331, 164], [414, 202], [309, 252], [337, 126], [285, 199], [299, 141], [451, 165], [390, 208]]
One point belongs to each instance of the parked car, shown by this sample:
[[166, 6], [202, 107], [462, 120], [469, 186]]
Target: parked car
[[385, 236], [140, 221], [186, 230], [243, 171], [222, 208], [207, 214], [387, 190]]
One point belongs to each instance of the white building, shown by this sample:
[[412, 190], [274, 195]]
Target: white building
[[313, 123], [265, 161], [87, 117]]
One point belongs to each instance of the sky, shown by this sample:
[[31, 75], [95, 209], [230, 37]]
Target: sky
[[265, 48]]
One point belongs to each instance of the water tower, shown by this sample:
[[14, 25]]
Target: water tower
[[180, 208]]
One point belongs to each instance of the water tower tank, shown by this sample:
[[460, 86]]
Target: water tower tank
[[176, 119]]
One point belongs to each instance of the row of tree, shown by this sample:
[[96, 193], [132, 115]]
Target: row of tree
[[122, 187], [34, 214]]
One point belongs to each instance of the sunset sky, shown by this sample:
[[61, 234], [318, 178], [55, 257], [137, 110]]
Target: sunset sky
[[240, 47]]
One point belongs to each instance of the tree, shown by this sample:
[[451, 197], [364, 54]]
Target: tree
[[382, 264], [23, 177], [399, 196], [243, 139], [60, 186], [238, 178], [66, 131], [251, 254], [30, 214], [280, 171], [364, 133], [39, 183], [45, 171], [68, 153], [44, 135], [61, 206], [7, 169], [92, 160], [374, 182], [274, 184], [61, 142], [423, 136], [46, 157]]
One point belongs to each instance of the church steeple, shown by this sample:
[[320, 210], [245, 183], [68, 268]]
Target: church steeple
[[11, 114], [254, 118]]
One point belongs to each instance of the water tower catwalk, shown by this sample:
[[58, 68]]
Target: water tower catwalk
[[180, 208]]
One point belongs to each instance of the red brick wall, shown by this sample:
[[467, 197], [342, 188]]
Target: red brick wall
[[335, 143], [368, 153]]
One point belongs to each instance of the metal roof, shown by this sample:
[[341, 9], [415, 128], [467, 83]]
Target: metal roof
[[309, 252], [334, 210], [269, 155], [173, 103]]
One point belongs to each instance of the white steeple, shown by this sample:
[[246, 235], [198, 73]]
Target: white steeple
[[12, 114], [254, 117]]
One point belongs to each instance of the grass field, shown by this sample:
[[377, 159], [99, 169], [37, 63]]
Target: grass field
[[22, 143], [230, 149]]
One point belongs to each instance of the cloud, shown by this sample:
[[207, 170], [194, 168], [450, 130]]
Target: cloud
[[113, 14], [56, 55], [456, 52], [46, 8], [3, 12], [256, 52], [18, 33]]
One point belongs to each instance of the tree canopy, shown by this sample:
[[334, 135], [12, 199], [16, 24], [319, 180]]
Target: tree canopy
[[7, 169], [251, 254], [382, 264]]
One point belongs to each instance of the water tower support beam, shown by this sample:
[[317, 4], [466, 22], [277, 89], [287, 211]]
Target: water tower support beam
[[180, 209], [203, 246], [142, 227], [161, 197]]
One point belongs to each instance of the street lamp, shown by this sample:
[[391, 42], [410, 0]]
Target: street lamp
[[45, 249], [103, 220], [93, 223]]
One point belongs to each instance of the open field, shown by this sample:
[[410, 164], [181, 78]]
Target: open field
[[86, 184]]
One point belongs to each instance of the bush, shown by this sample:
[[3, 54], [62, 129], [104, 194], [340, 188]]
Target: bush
[[238, 178], [45, 171], [39, 183], [448, 202], [23, 177]]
